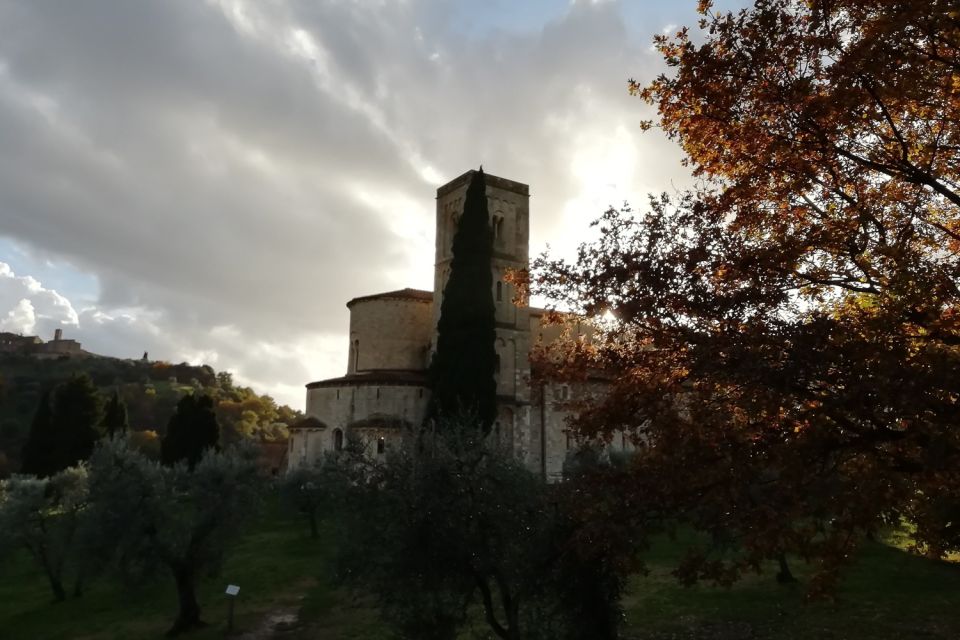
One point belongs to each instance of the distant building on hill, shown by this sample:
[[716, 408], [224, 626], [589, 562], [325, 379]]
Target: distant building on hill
[[17, 344], [392, 337], [33, 346]]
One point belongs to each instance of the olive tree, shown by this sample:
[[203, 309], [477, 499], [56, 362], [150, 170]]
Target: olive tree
[[44, 516], [173, 517]]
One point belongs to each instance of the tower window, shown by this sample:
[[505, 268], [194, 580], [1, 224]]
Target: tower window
[[499, 291], [381, 444], [338, 440], [378, 393], [496, 225]]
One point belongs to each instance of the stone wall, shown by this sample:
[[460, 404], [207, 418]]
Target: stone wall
[[341, 406], [389, 333]]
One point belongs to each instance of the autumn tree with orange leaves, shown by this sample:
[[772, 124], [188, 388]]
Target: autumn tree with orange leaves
[[786, 334]]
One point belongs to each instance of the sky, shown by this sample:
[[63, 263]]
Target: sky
[[211, 181]]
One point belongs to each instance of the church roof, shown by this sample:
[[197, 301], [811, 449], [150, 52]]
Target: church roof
[[399, 294], [490, 179], [308, 422], [379, 377]]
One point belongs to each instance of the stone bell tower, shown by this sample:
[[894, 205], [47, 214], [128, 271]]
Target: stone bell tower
[[509, 207]]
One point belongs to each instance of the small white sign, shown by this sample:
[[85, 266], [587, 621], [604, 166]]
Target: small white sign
[[232, 589]]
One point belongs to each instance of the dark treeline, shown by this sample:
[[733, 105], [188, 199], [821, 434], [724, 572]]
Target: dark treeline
[[149, 392]]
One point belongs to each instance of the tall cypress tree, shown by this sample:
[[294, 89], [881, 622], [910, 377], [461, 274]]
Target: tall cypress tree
[[463, 366], [115, 416], [39, 447], [64, 428], [77, 411], [191, 431]]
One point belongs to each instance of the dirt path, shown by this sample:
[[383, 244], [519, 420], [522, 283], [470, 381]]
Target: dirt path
[[276, 624]]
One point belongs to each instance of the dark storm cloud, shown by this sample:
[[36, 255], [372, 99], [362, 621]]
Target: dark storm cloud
[[233, 172]]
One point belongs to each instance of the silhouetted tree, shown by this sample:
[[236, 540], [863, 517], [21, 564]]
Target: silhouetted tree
[[789, 327], [64, 430], [77, 410], [471, 529], [462, 370], [115, 416], [36, 456], [192, 430]]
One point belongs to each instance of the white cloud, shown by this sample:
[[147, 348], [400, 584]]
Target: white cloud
[[232, 172], [21, 319]]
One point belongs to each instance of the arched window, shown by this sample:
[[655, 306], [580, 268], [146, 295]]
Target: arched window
[[499, 291], [381, 444], [338, 440]]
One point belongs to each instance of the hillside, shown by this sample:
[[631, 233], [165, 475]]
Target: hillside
[[150, 391]]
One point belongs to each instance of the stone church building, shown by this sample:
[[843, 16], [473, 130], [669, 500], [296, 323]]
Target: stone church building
[[392, 335]]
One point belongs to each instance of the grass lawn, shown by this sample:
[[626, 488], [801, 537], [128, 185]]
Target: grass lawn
[[887, 594], [276, 565]]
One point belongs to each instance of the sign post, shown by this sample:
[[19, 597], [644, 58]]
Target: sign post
[[232, 591]]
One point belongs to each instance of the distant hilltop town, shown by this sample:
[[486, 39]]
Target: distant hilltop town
[[59, 347]]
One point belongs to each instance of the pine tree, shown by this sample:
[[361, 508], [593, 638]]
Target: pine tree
[[462, 371], [36, 456], [191, 431], [115, 416]]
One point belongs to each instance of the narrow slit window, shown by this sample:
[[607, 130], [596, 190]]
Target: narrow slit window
[[381, 444], [499, 291]]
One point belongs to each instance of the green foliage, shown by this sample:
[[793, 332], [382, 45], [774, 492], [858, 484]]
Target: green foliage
[[463, 366], [447, 524], [43, 515], [193, 430], [175, 517], [311, 491], [149, 390]]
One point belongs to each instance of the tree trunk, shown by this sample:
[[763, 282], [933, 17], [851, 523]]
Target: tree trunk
[[785, 576], [56, 585], [189, 615], [53, 574]]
